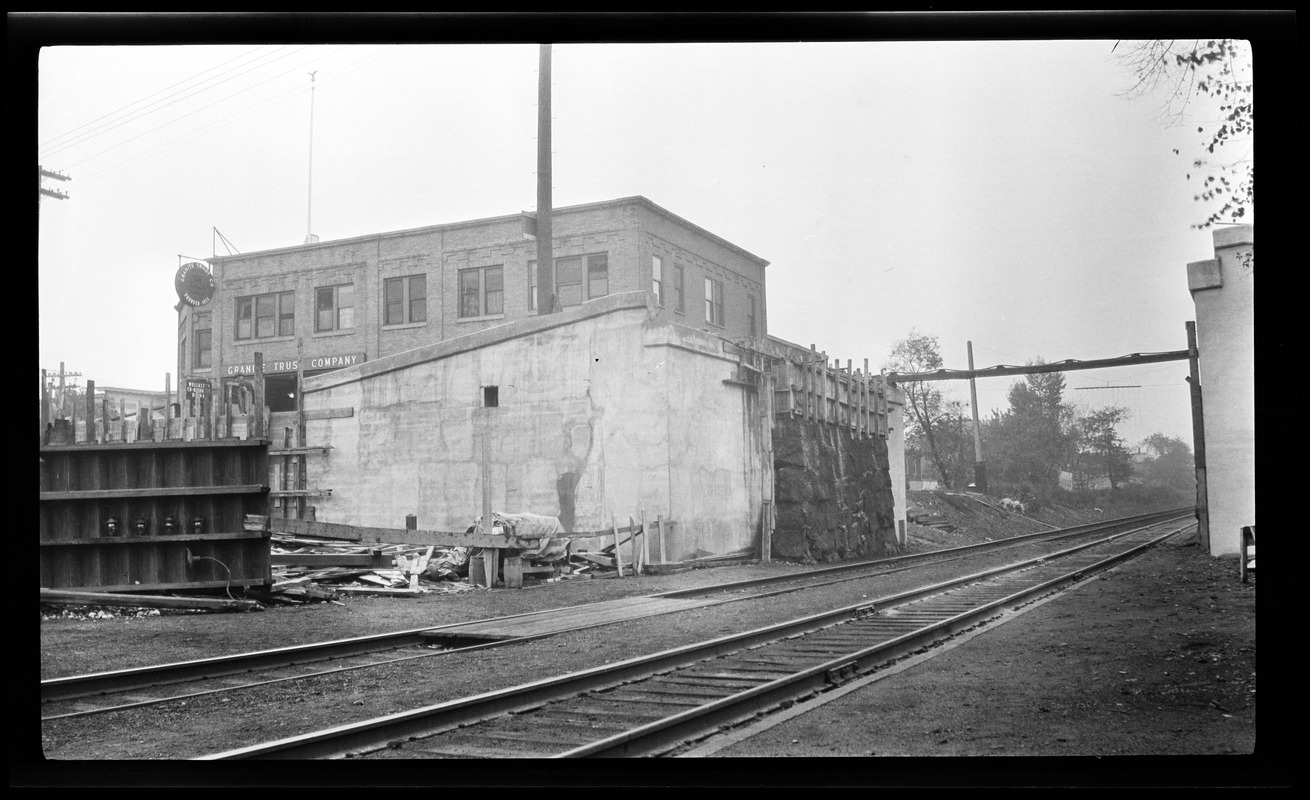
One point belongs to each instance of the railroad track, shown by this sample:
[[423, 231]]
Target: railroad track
[[654, 704], [82, 695]]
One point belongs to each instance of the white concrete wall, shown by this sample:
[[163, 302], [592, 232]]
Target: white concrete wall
[[896, 457], [602, 410], [1223, 290]]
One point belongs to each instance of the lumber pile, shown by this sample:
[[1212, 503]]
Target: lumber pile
[[308, 569]]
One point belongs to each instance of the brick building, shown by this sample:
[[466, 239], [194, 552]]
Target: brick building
[[321, 306]]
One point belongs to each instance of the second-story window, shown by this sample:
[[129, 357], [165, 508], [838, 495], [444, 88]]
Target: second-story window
[[405, 300], [568, 281], [204, 343], [266, 315], [481, 291], [679, 296], [657, 279], [598, 276], [569, 278], [713, 302], [334, 308]]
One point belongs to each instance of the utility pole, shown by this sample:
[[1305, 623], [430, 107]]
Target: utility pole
[[545, 262], [310, 238], [59, 402], [979, 468], [42, 174]]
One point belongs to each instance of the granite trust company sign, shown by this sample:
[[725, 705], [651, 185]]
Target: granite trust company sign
[[313, 363]]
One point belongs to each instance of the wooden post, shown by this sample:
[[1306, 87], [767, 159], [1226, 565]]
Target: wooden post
[[812, 384], [852, 420], [302, 461], [659, 533], [767, 473], [227, 411], [104, 417], [882, 402], [286, 471], [258, 432], [90, 412], [636, 551], [1198, 439], [168, 401], [513, 570], [645, 548], [122, 419], [618, 556], [488, 520], [866, 390], [829, 373]]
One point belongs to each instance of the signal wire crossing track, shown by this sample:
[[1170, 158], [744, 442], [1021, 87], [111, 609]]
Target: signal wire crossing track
[[654, 704], [135, 688]]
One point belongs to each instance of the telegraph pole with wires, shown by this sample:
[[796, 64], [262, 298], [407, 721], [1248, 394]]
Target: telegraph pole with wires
[[310, 238], [42, 174], [979, 466]]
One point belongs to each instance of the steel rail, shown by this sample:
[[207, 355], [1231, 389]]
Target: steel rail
[[704, 591], [934, 556], [135, 679], [671, 731], [375, 734]]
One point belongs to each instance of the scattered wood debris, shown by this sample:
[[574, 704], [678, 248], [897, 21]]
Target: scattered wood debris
[[78, 598]]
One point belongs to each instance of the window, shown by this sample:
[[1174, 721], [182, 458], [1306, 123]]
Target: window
[[286, 324], [405, 300], [713, 302], [678, 295], [204, 340], [598, 276], [657, 279], [334, 308], [264, 316], [750, 315], [481, 291], [568, 281]]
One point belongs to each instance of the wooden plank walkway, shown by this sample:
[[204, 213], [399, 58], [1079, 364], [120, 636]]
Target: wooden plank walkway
[[566, 619]]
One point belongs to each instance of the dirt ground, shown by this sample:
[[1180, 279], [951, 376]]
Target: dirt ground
[[1153, 659]]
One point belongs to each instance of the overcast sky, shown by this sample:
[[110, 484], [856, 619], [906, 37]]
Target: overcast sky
[[1001, 192]]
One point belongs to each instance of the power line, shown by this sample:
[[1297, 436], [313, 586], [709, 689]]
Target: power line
[[188, 114], [44, 147], [114, 169]]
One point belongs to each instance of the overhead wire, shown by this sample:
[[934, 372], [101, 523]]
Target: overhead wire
[[184, 116], [144, 112], [114, 169], [51, 141]]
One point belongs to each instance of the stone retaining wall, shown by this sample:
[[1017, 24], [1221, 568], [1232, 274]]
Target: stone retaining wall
[[833, 494]]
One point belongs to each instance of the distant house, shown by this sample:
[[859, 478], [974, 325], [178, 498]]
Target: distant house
[[919, 472]]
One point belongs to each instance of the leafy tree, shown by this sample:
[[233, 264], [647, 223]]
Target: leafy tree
[[1171, 464], [928, 429], [1100, 448], [1027, 445], [1187, 73]]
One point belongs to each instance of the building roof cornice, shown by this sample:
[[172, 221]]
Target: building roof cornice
[[632, 200]]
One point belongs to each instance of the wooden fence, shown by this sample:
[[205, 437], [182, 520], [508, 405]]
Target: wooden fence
[[195, 413], [811, 385]]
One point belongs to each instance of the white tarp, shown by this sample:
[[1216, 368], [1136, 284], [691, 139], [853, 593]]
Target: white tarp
[[549, 533]]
